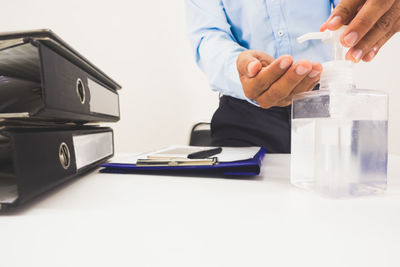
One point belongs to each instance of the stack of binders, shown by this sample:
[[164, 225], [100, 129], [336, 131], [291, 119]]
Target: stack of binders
[[48, 92]]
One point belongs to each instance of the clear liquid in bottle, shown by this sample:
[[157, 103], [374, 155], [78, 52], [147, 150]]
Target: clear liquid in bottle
[[339, 142]]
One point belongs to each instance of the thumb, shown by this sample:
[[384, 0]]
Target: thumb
[[253, 68], [248, 65]]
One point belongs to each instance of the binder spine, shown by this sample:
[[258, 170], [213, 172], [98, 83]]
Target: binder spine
[[42, 159], [70, 93]]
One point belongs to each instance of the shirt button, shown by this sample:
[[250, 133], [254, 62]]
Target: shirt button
[[280, 33]]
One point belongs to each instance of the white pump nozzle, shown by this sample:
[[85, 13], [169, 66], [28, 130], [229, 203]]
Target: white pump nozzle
[[339, 72], [338, 50], [315, 36]]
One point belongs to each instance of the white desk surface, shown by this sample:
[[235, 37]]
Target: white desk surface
[[145, 220]]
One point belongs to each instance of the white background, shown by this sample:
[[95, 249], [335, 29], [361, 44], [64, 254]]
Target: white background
[[143, 46]]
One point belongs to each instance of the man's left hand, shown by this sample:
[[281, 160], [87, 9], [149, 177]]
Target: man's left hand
[[371, 23]]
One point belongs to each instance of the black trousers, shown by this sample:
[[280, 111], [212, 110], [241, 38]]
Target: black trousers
[[239, 123]]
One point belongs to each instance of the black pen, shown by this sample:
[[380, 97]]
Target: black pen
[[205, 153]]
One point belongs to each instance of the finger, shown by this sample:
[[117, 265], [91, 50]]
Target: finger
[[370, 55], [335, 21], [323, 27], [288, 101], [375, 49], [282, 88], [378, 31], [343, 13], [256, 60], [248, 65], [363, 22], [264, 58], [307, 83], [268, 75], [253, 68]]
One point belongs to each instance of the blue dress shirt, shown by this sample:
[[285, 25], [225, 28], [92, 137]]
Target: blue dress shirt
[[220, 30]]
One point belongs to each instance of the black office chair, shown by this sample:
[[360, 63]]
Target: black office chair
[[200, 134]]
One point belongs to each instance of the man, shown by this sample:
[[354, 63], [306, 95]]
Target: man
[[248, 50]]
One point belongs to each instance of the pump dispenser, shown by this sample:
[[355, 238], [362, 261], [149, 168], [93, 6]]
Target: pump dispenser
[[338, 73], [339, 133]]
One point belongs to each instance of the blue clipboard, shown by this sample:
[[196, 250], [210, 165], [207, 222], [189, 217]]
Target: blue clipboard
[[250, 167]]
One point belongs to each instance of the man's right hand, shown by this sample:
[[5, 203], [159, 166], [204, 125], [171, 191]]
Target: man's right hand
[[272, 82]]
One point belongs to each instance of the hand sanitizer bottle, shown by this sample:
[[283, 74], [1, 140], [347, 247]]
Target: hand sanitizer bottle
[[339, 133]]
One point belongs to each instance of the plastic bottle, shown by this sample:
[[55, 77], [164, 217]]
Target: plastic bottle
[[339, 133]]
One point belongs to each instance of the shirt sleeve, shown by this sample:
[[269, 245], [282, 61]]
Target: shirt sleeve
[[214, 45]]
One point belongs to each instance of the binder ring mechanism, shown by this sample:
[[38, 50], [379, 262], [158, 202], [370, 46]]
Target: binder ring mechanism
[[80, 91], [64, 156]]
